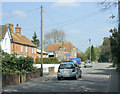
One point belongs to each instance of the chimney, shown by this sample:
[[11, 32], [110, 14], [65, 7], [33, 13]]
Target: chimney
[[18, 30], [10, 26]]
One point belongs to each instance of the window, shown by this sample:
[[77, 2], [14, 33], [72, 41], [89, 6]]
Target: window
[[32, 50], [66, 66], [26, 49], [21, 48]]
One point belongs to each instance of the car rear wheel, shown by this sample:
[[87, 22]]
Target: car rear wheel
[[75, 77]]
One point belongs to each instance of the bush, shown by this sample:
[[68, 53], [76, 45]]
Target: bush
[[11, 64], [115, 62], [51, 60]]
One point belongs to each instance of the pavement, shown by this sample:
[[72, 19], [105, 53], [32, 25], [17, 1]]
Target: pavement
[[113, 83]]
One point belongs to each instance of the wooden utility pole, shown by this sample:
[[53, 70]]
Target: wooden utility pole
[[41, 43]]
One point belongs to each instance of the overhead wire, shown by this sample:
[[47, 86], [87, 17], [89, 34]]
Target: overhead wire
[[67, 22], [75, 20]]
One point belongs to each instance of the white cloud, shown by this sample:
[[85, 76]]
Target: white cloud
[[68, 3], [19, 13]]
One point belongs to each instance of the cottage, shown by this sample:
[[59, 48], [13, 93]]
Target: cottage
[[15, 42]]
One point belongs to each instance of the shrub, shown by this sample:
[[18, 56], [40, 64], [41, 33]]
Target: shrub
[[11, 64], [115, 62], [51, 60]]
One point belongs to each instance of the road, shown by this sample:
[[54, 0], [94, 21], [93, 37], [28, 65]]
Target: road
[[94, 79]]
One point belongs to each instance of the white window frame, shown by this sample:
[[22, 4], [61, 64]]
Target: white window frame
[[32, 50], [21, 48]]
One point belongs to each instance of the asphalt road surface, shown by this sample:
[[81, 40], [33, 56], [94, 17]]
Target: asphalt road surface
[[94, 79]]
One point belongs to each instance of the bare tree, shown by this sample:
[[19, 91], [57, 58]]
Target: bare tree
[[54, 37], [107, 5]]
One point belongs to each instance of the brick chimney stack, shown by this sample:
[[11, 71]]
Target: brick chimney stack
[[10, 26], [18, 30]]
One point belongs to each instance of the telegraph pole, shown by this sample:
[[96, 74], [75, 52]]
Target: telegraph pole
[[90, 48], [41, 43]]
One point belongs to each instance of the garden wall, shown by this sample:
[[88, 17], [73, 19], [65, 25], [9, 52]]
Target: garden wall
[[7, 79]]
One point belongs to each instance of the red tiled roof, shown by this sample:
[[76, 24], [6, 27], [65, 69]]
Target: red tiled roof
[[55, 46], [21, 39]]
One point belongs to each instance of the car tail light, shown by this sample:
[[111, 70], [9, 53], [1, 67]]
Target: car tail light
[[59, 69], [73, 69]]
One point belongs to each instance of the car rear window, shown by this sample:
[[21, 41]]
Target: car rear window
[[66, 66]]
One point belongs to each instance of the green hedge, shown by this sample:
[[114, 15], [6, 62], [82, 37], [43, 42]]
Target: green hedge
[[50, 60], [11, 64]]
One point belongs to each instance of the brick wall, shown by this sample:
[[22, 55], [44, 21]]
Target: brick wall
[[17, 49]]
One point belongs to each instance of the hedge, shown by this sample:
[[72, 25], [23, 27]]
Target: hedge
[[50, 60], [11, 64]]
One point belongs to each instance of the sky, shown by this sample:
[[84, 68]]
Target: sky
[[79, 20]]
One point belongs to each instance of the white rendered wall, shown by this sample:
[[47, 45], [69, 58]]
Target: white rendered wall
[[6, 43], [46, 67]]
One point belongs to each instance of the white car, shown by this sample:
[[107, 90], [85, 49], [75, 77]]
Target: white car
[[69, 69], [88, 63]]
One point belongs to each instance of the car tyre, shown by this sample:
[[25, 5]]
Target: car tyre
[[75, 77]]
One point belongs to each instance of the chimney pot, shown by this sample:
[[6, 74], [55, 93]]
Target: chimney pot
[[17, 25]]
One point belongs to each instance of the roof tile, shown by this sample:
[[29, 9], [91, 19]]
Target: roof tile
[[55, 46]]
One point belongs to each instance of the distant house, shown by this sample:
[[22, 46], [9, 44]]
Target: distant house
[[63, 50], [45, 54], [15, 42]]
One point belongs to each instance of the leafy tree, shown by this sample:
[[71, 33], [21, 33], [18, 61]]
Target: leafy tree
[[35, 40], [105, 54], [115, 46], [97, 51], [87, 53], [82, 56], [93, 54]]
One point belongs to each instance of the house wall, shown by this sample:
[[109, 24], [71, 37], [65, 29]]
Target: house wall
[[5, 43], [74, 53], [17, 49]]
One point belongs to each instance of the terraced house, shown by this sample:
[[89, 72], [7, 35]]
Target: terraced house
[[15, 42]]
